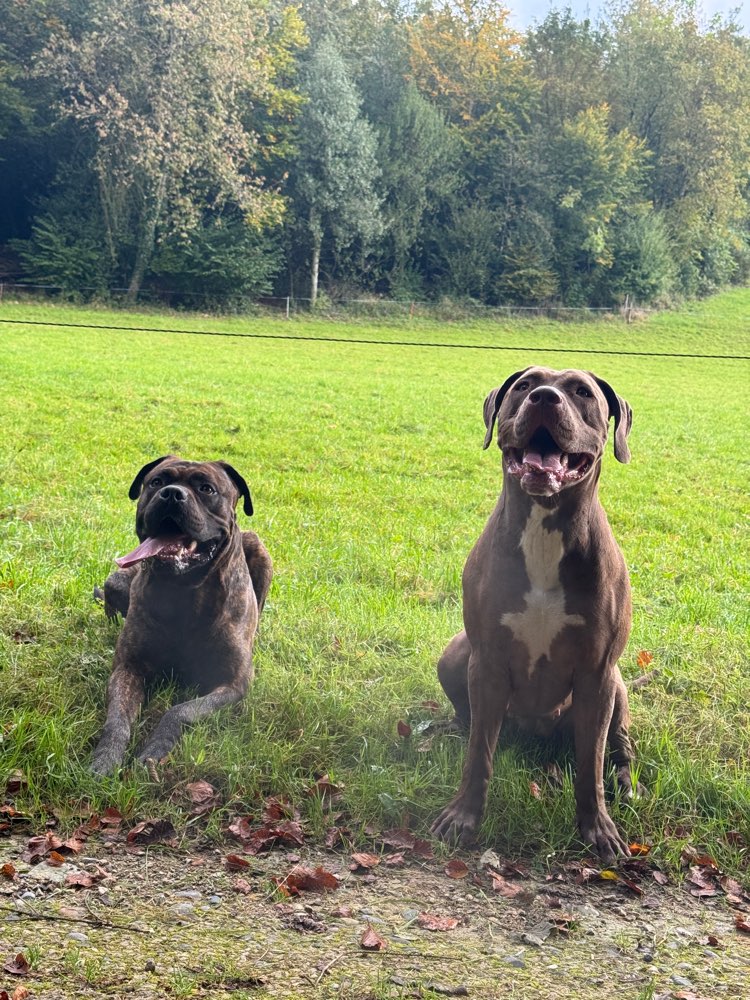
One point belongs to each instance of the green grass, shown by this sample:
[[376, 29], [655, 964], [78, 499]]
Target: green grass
[[370, 486]]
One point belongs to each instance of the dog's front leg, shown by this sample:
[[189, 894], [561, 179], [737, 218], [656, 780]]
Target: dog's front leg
[[169, 730], [594, 693], [125, 695], [489, 692]]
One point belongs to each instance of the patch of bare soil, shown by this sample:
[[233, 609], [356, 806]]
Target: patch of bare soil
[[119, 920]]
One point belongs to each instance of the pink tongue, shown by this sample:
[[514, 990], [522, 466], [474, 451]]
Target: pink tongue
[[545, 463], [149, 548]]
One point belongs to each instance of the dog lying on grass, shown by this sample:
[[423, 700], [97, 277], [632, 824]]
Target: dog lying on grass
[[191, 594]]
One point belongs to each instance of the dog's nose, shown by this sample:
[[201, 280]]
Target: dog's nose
[[545, 394], [174, 494]]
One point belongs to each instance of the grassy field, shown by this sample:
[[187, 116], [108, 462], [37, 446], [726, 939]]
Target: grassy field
[[370, 486]]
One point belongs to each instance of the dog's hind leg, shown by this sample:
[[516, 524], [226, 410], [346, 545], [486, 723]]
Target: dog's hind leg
[[453, 674], [259, 563], [125, 695]]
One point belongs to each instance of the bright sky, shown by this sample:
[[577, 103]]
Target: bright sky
[[524, 12]]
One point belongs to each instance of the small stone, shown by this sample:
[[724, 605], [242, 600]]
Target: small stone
[[28, 894], [78, 936], [491, 860], [188, 894], [215, 900], [410, 914], [515, 961], [184, 909], [681, 981], [150, 966], [648, 956]]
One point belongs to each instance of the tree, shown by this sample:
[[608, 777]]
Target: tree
[[164, 90], [335, 171]]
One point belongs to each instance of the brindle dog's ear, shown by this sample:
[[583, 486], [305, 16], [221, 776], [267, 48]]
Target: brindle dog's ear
[[493, 402], [135, 486], [241, 485], [623, 415]]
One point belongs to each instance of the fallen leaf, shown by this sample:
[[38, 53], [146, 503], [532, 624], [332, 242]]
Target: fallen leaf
[[639, 850], [609, 876], [535, 790], [371, 940], [325, 789], [395, 860], [503, 887], [342, 911], [644, 659], [399, 839], [20, 993], [456, 869], [431, 706], [39, 847], [364, 860], [242, 886], [741, 923], [713, 941], [277, 808], [80, 880], [431, 922], [301, 879], [660, 877], [18, 966], [241, 827], [15, 781], [54, 859], [735, 838], [111, 817], [203, 796], [235, 863], [152, 831], [403, 729], [424, 849], [8, 870]]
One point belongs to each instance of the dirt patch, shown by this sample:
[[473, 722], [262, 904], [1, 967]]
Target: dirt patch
[[168, 923]]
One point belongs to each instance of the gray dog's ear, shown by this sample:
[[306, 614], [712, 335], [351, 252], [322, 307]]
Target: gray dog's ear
[[135, 486], [492, 404], [241, 485], [620, 410]]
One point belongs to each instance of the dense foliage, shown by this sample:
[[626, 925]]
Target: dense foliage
[[226, 149]]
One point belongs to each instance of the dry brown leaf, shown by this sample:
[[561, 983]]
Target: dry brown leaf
[[395, 860], [152, 831], [431, 922], [301, 878], [54, 859], [639, 850], [503, 887], [741, 923], [403, 729], [644, 659], [8, 870], [235, 863], [371, 940], [18, 966], [242, 886], [364, 860], [456, 868], [20, 993]]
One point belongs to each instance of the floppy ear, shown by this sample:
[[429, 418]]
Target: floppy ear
[[241, 485], [492, 405], [620, 410], [135, 486]]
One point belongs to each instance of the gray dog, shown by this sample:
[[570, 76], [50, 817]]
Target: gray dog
[[546, 599], [191, 594]]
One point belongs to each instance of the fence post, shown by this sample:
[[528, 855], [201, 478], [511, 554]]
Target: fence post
[[2, 289], [287, 307]]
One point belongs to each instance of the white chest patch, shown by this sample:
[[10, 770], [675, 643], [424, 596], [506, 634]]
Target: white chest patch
[[544, 617]]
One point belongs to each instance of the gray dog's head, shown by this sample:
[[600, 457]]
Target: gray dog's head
[[185, 512], [552, 427]]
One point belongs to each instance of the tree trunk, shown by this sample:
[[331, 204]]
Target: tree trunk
[[314, 271], [146, 243]]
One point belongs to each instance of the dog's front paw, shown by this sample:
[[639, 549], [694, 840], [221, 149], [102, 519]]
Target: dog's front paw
[[457, 823], [104, 763], [602, 836]]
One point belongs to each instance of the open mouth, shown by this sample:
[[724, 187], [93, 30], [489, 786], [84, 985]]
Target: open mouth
[[170, 545], [543, 466]]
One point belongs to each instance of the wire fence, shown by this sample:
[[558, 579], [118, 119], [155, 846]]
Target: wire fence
[[366, 307]]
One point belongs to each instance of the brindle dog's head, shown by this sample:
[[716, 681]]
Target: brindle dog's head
[[552, 427], [185, 514]]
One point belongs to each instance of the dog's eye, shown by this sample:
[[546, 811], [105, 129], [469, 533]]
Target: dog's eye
[[521, 386], [583, 391], [155, 483], [206, 488]]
